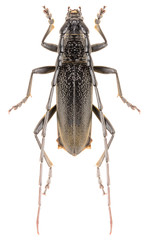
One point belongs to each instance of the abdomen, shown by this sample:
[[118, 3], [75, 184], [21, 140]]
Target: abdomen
[[74, 107]]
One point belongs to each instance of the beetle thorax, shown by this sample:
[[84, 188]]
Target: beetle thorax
[[74, 27], [74, 47]]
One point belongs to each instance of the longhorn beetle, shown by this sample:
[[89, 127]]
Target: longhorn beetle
[[74, 79]]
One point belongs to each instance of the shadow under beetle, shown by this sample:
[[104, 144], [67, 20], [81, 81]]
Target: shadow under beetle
[[74, 79]]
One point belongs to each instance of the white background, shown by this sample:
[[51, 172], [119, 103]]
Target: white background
[[74, 207]]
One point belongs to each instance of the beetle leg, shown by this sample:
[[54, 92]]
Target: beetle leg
[[40, 70], [50, 164], [99, 163], [48, 161], [48, 107], [107, 70], [100, 107], [110, 128], [99, 46], [100, 181], [50, 46], [38, 128]]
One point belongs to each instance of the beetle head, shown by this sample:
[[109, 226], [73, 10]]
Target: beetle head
[[74, 14], [74, 22]]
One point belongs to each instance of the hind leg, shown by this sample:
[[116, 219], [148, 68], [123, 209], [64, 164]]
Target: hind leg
[[48, 107], [50, 164], [110, 128], [38, 128]]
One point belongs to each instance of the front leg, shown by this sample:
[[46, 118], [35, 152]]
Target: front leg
[[107, 70], [99, 46], [50, 46]]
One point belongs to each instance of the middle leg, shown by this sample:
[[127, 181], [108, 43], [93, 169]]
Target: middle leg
[[109, 127], [40, 70], [108, 70]]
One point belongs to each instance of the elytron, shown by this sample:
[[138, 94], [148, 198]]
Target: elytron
[[74, 79]]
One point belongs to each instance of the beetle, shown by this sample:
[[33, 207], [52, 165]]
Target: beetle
[[74, 79]]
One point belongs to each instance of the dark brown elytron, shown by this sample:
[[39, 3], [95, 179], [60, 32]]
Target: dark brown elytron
[[74, 79]]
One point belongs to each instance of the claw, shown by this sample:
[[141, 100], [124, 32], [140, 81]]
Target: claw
[[18, 105], [13, 108], [46, 187], [129, 104], [102, 187]]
